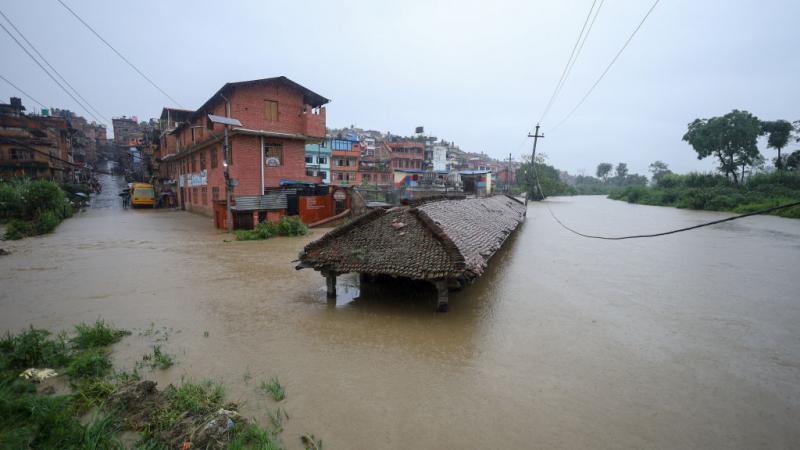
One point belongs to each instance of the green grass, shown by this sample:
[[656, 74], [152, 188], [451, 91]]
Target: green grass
[[92, 363], [274, 388], [252, 437], [310, 442], [33, 348], [98, 335]]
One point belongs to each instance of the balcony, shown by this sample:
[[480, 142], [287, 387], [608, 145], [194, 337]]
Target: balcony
[[314, 121]]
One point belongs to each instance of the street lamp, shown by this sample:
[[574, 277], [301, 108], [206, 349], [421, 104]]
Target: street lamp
[[227, 122]]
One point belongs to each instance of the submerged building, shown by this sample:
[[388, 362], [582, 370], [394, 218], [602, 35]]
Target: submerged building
[[447, 242]]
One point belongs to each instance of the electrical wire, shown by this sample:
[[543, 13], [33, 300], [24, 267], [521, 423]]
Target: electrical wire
[[52, 68], [602, 75], [566, 67], [580, 48], [47, 72], [20, 90], [663, 233], [119, 54]]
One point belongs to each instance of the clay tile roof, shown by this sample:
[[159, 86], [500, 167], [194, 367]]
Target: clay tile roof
[[438, 239]]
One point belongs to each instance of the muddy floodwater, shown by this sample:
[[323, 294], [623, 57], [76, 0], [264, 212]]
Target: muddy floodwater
[[685, 341]]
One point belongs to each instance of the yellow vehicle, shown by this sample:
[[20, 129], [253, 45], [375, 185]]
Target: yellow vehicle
[[142, 194]]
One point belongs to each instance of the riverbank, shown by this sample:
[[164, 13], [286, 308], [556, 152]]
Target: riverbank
[[716, 193], [62, 392]]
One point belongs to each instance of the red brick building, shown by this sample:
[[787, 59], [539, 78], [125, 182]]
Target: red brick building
[[345, 156], [278, 117], [407, 154]]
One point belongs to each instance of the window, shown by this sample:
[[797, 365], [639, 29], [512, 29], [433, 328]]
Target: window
[[209, 124], [204, 194], [309, 159], [20, 153], [323, 160], [213, 156], [194, 163], [273, 155], [271, 110], [192, 133], [311, 173], [202, 160], [194, 195], [323, 174], [215, 193]]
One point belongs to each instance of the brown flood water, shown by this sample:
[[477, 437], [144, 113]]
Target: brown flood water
[[687, 341]]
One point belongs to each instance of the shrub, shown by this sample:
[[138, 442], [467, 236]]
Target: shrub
[[11, 203], [292, 226], [46, 222], [246, 235], [42, 196], [18, 229], [266, 229]]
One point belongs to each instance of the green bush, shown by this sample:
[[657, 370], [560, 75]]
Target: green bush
[[11, 203], [43, 196], [246, 235], [46, 222], [18, 229], [292, 226], [266, 230], [32, 348]]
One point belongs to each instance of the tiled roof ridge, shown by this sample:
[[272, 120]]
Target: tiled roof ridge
[[435, 198], [450, 247], [343, 229]]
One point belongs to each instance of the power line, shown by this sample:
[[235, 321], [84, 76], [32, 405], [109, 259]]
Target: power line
[[51, 67], [580, 48], [23, 92], [602, 75], [47, 72], [569, 62], [118, 53]]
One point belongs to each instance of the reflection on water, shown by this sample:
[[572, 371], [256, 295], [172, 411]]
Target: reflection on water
[[687, 341]]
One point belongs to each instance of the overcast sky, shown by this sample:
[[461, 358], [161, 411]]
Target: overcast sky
[[477, 73]]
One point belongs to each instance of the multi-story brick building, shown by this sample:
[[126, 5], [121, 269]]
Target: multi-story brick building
[[34, 146], [127, 131], [345, 155], [407, 154], [375, 165], [278, 118]]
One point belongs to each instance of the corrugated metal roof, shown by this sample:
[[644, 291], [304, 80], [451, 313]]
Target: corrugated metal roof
[[272, 201]]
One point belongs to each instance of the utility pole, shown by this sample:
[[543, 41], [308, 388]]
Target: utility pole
[[228, 182], [535, 137]]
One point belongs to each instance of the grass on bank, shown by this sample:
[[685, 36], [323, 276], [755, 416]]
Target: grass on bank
[[717, 193], [92, 416], [287, 226]]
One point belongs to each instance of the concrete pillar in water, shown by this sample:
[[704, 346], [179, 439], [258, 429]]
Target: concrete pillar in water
[[330, 281], [441, 289]]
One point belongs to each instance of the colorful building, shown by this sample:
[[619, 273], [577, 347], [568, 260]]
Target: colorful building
[[318, 160], [345, 156], [407, 154], [375, 165], [278, 118]]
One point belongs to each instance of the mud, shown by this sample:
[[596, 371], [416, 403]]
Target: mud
[[689, 341]]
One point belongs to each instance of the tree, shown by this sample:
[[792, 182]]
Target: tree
[[732, 139], [603, 169], [793, 161], [622, 170], [778, 134], [659, 169], [549, 179]]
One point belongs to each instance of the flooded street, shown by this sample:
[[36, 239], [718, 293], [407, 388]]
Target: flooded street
[[685, 341]]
